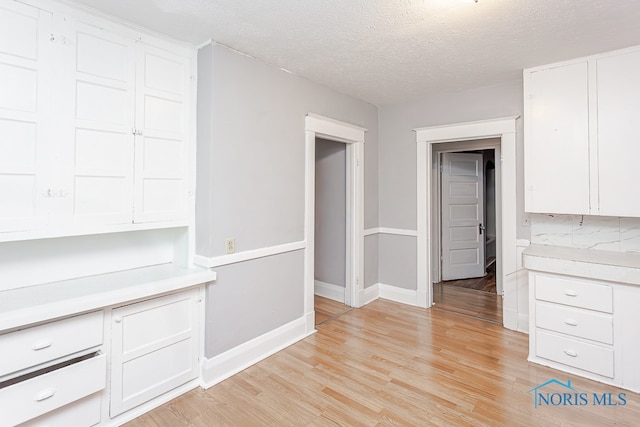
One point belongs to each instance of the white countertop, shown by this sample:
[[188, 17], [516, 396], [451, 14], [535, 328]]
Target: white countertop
[[33, 304], [601, 265]]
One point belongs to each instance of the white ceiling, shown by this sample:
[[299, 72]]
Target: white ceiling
[[391, 51]]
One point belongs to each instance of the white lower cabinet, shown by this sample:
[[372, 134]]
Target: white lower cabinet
[[585, 327], [154, 349]]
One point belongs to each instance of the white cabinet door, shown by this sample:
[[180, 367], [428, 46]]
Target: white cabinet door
[[619, 134], [161, 144], [154, 348], [557, 143], [24, 88], [100, 176]]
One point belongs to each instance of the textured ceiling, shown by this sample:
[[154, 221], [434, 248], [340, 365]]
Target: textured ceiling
[[391, 51]]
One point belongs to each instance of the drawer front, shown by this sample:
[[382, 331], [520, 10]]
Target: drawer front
[[84, 412], [572, 321], [588, 357], [41, 344], [575, 293], [42, 394]]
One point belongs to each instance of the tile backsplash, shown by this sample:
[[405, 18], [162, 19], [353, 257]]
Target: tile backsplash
[[587, 232]]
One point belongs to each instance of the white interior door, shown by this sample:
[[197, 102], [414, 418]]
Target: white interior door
[[463, 236]]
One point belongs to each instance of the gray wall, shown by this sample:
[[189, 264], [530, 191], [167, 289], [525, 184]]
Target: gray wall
[[331, 211], [250, 184], [398, 170]]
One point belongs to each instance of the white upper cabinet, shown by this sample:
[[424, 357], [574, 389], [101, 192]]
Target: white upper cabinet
[[581, 136], [619, 134], [94, 125], [557, 147], [162, 124], [24, 90]]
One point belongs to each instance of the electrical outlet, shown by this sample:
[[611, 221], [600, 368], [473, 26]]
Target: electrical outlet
[[230, 245]]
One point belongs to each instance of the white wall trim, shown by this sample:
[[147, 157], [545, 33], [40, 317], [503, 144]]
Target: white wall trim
[[388, 230], [369, 294], [217, 261], [503, 128], [329, 290], [353, 136], [401, 295], [231, 362]]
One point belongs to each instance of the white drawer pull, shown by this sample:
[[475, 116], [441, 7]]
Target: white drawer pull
[[571, 322], [570, 293], [571, 353], [41, 345], [44, 394]]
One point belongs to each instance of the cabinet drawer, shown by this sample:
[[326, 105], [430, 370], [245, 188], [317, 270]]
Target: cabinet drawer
[[588, 357], [41, 344], [575, 293], [52, 390], [579, 323], [84, 412]]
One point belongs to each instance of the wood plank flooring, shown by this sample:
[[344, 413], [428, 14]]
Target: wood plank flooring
[[389, 364], [482, 305], [485, 284], [327, 309]]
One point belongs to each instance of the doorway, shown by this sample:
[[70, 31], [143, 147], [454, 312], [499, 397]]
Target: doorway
[[331, 222], [504, 131], [464, 198], [352, 138]]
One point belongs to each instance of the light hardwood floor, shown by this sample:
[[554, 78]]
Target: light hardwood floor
[[470, 302], [327, 309], [389, 364]]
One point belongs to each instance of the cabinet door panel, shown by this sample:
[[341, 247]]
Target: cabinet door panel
[[161, 150], [557, 150], [24, 70], [619, 134], [101, 175]]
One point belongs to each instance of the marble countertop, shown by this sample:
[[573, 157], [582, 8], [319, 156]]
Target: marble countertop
[[34, 304], [617, 267]]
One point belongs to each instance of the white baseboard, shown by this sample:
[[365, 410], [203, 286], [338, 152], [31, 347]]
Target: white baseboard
[[329, 290], [369, 294], [401, 295], [241, 357]]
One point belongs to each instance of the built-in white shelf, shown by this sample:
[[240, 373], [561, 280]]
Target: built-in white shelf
[[33, 304]]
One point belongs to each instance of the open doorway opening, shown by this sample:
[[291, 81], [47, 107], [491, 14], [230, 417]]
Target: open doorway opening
[[465, 229], [331, 223], [319, 130]]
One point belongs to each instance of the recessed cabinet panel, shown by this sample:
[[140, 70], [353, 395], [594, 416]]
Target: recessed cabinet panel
[[163, 114], [103, 57], [95, 195], [619, 134], [160, 195], [164, 74], [102, 151], [17, 195], [160, 157], [557, 146], [18, 88], [102, 104], [18, 146], [19, 31]]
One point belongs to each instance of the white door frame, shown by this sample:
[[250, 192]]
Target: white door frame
[[353, 137], [506, 250]]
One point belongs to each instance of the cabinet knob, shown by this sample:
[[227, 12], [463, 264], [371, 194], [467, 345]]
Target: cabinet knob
[[117, 319]]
